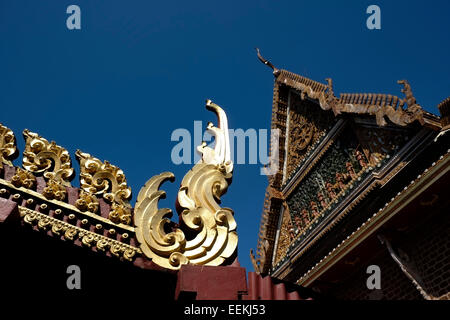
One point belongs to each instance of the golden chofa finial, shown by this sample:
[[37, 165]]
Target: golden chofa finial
[[214, 237]]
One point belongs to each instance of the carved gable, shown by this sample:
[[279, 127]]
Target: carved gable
[[329, 147], [308, 124], [353, 154], [327, 157]]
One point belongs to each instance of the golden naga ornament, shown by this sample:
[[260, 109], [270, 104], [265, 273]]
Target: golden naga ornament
[[207, 233]]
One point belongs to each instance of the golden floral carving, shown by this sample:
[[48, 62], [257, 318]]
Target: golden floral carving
[[8, 149], [214, 238], [87, 239], [50, 160], [29, 217], [102, 245], [57, 228], [302, 134], [307, 124], [71, 232], [120, 213], [54, 190], [129, 254], [87, 202], [23, 178], [107, 180], [116, 249], [41, 156], [44, 223]]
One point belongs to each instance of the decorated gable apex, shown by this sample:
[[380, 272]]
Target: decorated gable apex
[[332, 152]]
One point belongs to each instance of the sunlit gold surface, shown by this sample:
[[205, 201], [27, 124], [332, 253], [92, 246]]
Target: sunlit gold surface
[[23, 178], [211, 228], [7, 145], [59, 204], [104, 179], [87, 202], [50, 160], [41, 156], [71, 232]]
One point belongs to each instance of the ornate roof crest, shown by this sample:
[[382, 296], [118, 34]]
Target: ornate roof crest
[[214, 238]]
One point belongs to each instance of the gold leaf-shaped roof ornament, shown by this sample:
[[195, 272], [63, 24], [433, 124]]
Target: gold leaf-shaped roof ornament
[[8, 149], [212, 229], [41, 157], [103, 179], [46, 158]]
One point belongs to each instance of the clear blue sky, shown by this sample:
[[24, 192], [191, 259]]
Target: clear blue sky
[[137, 70]]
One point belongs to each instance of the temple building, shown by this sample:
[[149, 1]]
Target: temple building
[[357, 210], [361, 191]]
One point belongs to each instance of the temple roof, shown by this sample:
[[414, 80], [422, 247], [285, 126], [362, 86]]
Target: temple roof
[[387, 112], [399, 111], [98, 214]]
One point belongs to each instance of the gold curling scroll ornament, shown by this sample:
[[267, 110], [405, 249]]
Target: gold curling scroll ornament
[[207, 233], [50, 160], [8, 149]]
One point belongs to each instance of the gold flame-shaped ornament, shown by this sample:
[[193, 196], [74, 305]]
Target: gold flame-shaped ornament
[[207, 233]]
